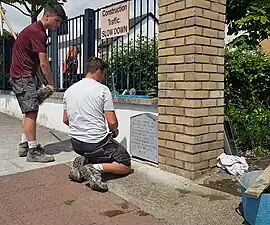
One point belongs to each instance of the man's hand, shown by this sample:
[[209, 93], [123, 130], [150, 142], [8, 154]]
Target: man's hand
[[51, 87], [114, 133]]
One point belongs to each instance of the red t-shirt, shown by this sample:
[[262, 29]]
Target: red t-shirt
[[31, 41]]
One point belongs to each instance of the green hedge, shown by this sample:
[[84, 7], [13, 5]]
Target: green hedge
[[247, 78], [134, 65], [247, 97]]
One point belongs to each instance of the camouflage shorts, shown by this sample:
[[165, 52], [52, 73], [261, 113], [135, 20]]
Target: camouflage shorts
[[25, 90], [106, 151]]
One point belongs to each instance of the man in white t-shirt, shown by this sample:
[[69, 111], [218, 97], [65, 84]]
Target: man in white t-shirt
[[87, 106]]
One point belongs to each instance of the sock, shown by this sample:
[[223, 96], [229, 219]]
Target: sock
[[24, 138], [32, 144], [98, 167]]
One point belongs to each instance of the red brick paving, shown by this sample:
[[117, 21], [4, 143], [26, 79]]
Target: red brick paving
[[47, 197]]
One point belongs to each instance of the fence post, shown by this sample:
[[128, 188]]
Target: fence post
[[4, 62], [2, 79], [54, 56], [89, 36]]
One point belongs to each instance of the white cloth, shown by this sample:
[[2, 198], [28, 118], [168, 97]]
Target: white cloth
[[235, 165]]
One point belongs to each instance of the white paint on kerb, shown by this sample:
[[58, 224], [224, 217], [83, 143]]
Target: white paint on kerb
[[50, 115]]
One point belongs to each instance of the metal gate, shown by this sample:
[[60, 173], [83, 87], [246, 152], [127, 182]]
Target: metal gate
[[5, 61], [133, 58], [69, 47]]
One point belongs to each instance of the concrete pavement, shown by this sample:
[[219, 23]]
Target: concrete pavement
[[10, 135], [148, 196], [46, 197]]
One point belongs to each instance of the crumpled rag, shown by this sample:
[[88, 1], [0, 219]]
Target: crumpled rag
[[235, 165]]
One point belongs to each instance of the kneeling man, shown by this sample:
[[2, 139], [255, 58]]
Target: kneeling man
[[87, 106]]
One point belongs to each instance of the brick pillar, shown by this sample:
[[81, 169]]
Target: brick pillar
[[191, 85]]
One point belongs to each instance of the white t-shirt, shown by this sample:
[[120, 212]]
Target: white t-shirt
[[85, 102]]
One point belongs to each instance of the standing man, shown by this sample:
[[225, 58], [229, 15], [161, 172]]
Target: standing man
[[30, 52], [88, 109]]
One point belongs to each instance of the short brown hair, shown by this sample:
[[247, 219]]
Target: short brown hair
[[95, 63], [55, 8]]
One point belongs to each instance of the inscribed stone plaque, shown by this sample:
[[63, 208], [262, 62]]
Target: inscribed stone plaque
[[144, 137]]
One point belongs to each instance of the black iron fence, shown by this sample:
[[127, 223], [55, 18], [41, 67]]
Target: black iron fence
[[69, 47], [65, 52], [133, 58], [6, 43]]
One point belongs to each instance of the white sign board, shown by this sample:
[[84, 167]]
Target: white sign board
[[114, 20]]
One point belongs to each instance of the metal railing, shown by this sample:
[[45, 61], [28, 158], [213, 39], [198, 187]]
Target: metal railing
[[66, 52], [69, 48], [6, 43], [133, 58]]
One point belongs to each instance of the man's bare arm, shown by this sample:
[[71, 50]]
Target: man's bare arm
[[111, 120], [46, 68], [65, 118]]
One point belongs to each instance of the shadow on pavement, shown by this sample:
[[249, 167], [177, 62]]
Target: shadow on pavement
[[58, 147], [240, 211], [108, 176]]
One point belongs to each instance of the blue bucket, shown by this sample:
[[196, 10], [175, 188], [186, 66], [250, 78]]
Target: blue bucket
[[256, 210]]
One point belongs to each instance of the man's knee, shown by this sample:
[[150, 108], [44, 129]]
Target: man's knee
[[122, 168], [125, 169], [31, 114]]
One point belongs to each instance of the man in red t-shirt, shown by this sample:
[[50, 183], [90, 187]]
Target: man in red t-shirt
[[30, 52]]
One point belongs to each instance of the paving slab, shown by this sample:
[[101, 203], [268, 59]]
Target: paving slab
[[176, 200], [10, 136], [46, 196]]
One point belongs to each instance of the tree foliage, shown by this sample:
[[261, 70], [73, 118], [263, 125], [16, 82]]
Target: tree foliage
[[32, 8], [247, 96], [250, 19], [247, 78]]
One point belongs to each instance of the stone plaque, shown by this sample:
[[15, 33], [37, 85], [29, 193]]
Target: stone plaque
[[144, 137]]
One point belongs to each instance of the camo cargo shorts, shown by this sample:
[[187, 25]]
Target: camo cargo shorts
[[106, 151], [25, 90]]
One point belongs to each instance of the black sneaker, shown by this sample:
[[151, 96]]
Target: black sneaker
[[93, 176], [38, 155], [75, 174], [23, 149]]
